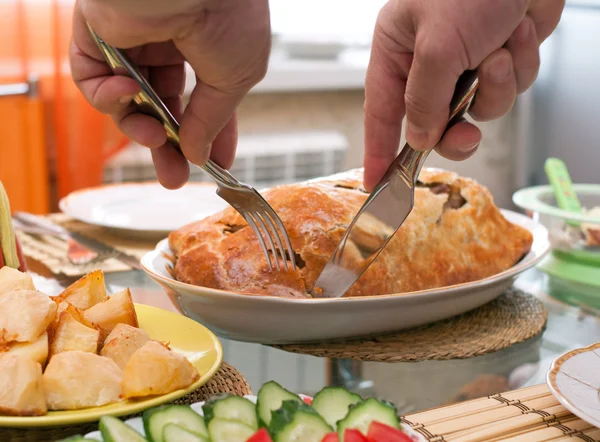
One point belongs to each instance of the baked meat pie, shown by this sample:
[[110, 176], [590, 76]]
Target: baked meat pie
[[455, 234]]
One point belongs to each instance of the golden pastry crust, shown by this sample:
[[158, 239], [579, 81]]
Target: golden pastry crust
[[455, 234]]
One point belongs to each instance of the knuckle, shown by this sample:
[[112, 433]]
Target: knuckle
[[418, 107]]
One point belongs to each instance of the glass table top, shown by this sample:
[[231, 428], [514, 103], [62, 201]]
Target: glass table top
[[411, 386]]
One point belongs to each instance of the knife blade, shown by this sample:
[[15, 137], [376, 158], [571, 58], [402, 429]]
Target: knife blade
[[386, 208], [92, 244]]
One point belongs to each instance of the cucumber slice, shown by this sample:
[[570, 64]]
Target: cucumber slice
[[332, 403], [360, 416], [297, 422], [175, 433], [269, 398], [225, 430], [231, 407], [115, 430], [157, 418]]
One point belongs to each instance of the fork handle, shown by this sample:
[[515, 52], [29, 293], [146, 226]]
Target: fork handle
[[410, 161], [150, 103], [36, 222]]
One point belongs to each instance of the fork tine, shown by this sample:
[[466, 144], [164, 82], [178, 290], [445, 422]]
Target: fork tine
[[258, 234], [272, 216], [261, 223], [269, 220], [272, 232]]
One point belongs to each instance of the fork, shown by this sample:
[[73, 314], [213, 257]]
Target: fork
[[257, 212]]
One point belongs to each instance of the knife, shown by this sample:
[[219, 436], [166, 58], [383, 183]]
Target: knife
[[386, 208], [92, 244]]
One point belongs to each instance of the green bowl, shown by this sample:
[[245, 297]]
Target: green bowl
[[539, 202], [571, 282]]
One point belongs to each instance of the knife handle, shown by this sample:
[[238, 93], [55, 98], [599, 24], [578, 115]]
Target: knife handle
[[410, 160]]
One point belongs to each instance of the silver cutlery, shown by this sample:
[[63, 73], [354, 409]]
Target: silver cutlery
[[81, 249], [388, 205], [259, 215]]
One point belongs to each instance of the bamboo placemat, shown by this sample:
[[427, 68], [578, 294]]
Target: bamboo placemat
[[226, 380], [510, 319], [52, 252], [530, 414]]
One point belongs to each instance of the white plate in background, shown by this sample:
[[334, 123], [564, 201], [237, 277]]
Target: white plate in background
[[145, 209]]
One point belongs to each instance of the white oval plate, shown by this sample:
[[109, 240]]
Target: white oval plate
[[272, 320], [574, 379], [142, 208], [137, 424]]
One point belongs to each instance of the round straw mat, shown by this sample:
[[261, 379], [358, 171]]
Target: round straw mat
[[226, 380], [513, 317]]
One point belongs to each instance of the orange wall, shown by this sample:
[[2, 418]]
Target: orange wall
[[54, 143]]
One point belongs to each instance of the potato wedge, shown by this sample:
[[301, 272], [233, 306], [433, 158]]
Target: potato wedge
[[25, 315], [117, 309], [87, 291], [36, 350], [12, 279], [122, 342], [154, 370], [64, 306], [70, 334], [77, 379], [21, 387]]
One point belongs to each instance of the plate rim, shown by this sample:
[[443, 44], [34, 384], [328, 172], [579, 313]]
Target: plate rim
[[87, 415], [529, 199], [64, 202], [556, 392], [149, 257]]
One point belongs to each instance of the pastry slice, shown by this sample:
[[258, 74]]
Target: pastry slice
[[455, 234]]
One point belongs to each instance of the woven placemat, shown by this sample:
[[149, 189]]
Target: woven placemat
[[530, 414], [51, 251], [511, 318], [226, 380]]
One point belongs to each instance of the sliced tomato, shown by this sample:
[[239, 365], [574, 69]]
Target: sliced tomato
[[353, 435], [261, 435], [1, 258], [379, 432], [307, 400], [331, 437], [22, 261]]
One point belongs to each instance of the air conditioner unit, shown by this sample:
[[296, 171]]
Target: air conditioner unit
[[262, 160]]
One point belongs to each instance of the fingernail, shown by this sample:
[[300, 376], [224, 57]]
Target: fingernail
[[469, 148], [126, 99], [415, 136], [501, 69]]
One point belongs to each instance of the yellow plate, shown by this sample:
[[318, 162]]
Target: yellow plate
[[184, 335]]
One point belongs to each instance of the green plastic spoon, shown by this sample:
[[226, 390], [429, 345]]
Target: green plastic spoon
[[566, 198]]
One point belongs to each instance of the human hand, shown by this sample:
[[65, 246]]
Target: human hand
[[421, 48], [226, 42]]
